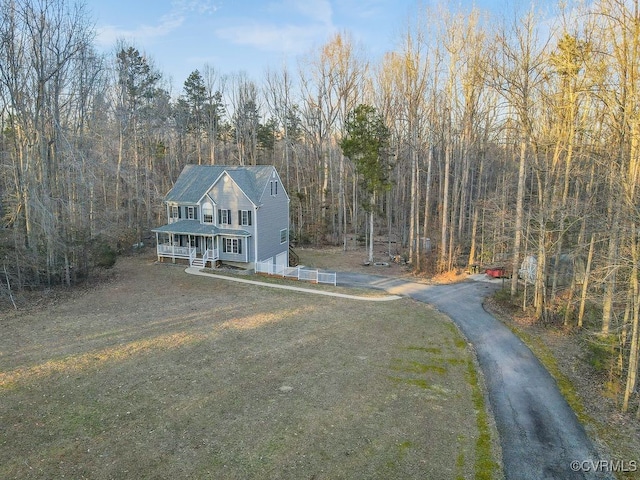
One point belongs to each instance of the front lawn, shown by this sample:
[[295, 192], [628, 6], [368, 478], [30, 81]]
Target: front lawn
[[159, 374]]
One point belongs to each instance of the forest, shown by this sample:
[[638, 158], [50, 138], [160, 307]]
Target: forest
[[509, 138]]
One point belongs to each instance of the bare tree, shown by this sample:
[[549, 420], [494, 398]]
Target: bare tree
[[246, 114], [40, 41], [334, 86], [517, 74], [214, 108], [403, 84]]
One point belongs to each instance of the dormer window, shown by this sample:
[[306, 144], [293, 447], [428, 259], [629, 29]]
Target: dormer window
[[207, 213]]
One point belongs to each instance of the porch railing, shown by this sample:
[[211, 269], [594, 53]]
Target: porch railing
[[210, 255], [168, 250]]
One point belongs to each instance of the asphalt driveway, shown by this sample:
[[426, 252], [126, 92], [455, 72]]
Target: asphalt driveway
[[541, 437]]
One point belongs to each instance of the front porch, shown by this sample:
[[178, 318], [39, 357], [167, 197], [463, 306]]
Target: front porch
[[195, 257], [200, 245]]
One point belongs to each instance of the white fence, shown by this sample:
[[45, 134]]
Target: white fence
[[309, 275], [269, 268], [300, 273], [327, 277]]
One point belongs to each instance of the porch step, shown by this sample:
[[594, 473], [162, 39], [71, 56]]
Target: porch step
[[197, 262]]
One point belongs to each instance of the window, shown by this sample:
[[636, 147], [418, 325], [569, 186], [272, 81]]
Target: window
[[244, 217], [284, 235], [224, 217], [274, 187], [232, 245], [175, 212], [192, 213], [207, 213]]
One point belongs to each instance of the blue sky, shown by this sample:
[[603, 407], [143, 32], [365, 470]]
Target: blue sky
[[249, 35]]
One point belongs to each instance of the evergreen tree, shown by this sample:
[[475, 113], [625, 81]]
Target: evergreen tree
[[366, 143]]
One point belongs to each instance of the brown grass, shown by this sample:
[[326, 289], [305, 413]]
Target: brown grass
[[158, 374], [336, 259]]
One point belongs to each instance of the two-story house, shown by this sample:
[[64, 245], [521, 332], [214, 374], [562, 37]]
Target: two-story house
[[234, 214]]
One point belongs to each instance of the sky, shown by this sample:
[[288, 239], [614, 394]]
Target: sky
[[233, 36]]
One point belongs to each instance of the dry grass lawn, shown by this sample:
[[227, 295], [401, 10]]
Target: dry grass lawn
[[158, 374]]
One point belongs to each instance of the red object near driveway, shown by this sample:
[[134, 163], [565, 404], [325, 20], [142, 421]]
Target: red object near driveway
[[497, 272]]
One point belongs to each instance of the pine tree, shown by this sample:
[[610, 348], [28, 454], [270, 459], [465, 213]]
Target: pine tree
[[366, 144]]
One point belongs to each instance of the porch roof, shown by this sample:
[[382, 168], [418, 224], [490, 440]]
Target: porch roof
[[194, 227]]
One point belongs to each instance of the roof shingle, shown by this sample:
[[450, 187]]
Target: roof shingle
[[195, 180]]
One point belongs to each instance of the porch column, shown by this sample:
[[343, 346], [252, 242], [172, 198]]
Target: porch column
[[157, 247]]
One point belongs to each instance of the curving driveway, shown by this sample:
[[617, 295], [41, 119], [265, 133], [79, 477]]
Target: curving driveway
[[541, 437]]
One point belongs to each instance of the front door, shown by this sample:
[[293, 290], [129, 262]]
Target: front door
[[195, 242]]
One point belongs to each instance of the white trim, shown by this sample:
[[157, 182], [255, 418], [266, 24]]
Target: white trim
[[227, 217], [213, 213], [255, 234], [249, 217]]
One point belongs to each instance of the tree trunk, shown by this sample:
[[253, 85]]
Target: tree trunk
[[585, 284], [371, 214], [517, 239], [632, 372], [427, 194], [444, 211]]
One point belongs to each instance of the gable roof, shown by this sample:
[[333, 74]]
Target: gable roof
[[195, 180]]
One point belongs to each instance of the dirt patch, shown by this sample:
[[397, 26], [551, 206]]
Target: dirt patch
[[159, 374], [353, 260], [337, 259]]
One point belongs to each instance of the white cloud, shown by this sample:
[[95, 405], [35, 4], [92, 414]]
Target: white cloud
[[108, 34], [290, 26], [317, 10], [199, 6], [166, 24], [274, 38]]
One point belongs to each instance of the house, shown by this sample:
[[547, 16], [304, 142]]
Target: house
[[233, 214]]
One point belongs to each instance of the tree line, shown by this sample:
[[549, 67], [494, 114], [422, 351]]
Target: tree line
[[506, 138]]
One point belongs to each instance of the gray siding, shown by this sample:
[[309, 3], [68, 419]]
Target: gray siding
[[273, 216], [228, 196]]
